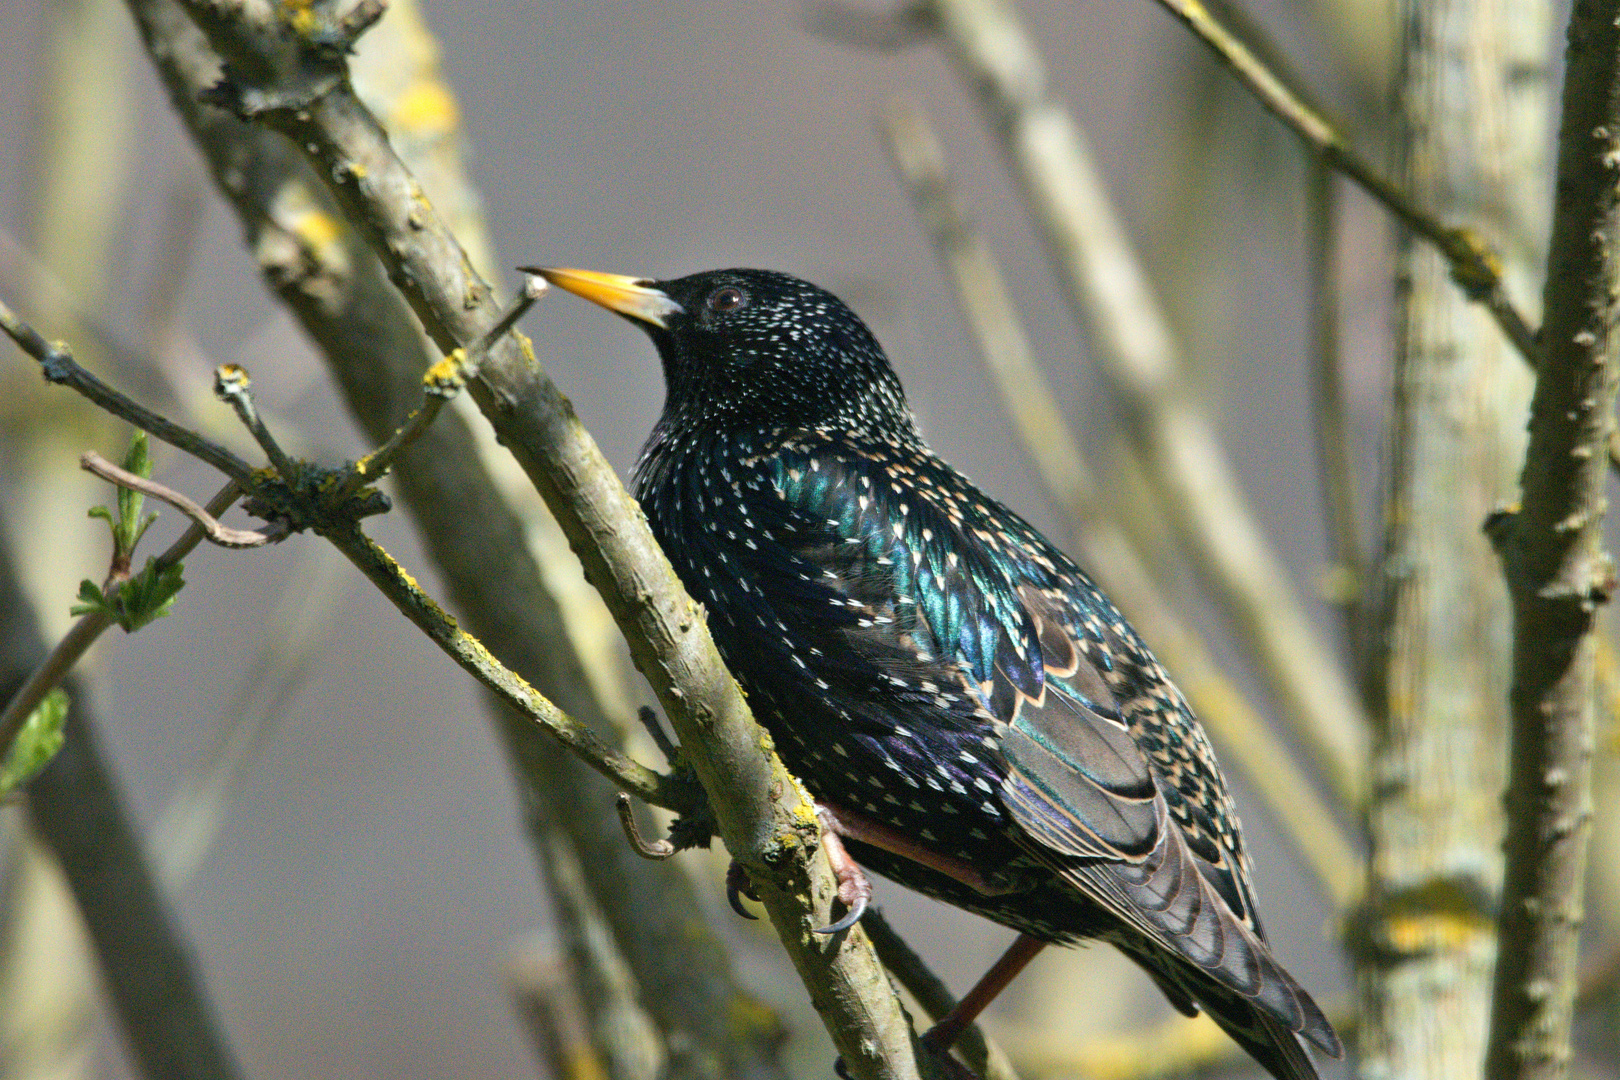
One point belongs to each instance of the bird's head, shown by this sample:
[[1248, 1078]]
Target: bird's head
[[755, 348]]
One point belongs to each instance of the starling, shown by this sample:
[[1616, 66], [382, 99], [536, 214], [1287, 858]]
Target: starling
[[976, 719]]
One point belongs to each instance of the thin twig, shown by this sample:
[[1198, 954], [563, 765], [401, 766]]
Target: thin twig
[[440, 384], [981, 291], [58, 366], [1346, 567], [213, 531], [655, 730], [983, 1056], [399, 587], [56, 665], [234, 386], [1473, 265], [1108, 291], [656, 850]]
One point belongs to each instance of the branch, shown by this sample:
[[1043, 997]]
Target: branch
[[1347, 569], [1106, 289], [1557, 572], [56, 363], [212, 530], [54, 668], [298, 496], [295, 81], [983, 1056], [1473, 265], [338, 292], [1469, 128]]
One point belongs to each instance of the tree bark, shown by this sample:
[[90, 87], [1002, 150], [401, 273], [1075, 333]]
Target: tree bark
[[1472, 92], [1557, 571]]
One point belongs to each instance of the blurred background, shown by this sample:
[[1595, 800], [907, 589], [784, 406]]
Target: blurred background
[[357, 898]]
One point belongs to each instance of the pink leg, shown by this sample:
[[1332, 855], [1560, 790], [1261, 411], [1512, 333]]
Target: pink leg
[[887, 838], [944, 1034]]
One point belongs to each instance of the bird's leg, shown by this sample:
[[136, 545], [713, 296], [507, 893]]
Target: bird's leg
[[944, 1034], [876, 834], [853, 888]]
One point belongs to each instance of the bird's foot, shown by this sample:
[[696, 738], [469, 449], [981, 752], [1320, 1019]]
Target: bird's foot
[[854, 890]]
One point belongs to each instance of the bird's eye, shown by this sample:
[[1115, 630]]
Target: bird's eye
[[727, 299]]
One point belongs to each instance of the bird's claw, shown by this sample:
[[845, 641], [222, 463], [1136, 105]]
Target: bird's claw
[[737, 887], [851, 917]]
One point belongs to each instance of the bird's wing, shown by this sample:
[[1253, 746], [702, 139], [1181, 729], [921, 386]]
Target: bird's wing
[[1096, 809]]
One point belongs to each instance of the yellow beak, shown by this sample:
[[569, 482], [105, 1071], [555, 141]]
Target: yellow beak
[[636, 297]]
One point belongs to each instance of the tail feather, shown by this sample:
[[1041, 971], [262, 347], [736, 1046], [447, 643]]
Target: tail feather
[[1280, 1048]]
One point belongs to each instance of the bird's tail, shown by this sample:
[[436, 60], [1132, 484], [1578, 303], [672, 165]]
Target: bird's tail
[[1270, 1041]]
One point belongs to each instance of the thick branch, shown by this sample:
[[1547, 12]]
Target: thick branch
[[336, 289], [1438, 686], [1558, 574]]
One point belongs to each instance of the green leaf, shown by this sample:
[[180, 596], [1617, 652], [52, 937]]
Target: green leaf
[[148, 595], [90, 597], [127, 533], [37, 743]]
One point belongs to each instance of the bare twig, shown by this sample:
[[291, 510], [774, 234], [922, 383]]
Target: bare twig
[[982, 1055], [441, 383], [1473, 265], [1106, 288], [213, 531], [983, 296], [399, 587], [233, 386], [57, 364], [1346, 571], [658, 849], [1557, 571], [297, 83]]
